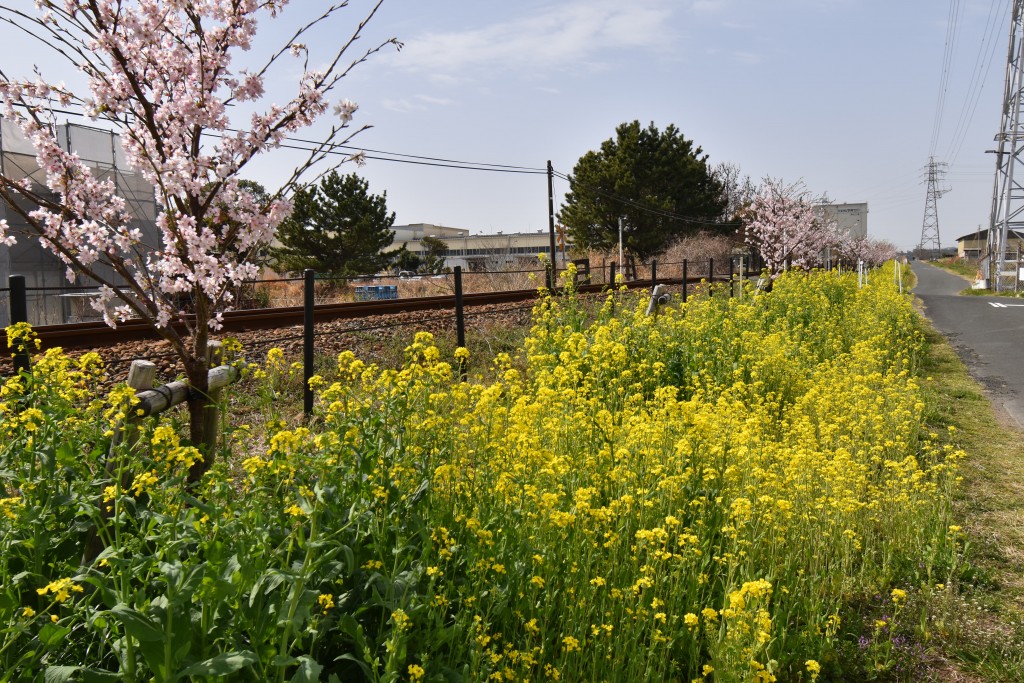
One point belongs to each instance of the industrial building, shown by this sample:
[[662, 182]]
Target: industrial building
[[101, 150], [477, 252]]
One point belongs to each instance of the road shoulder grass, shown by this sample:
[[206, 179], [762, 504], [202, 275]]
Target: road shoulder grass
[[980, 625]]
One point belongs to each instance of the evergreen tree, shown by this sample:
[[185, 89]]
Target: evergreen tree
[[337, 228], [404, 260], [656, 182], [434, 251]]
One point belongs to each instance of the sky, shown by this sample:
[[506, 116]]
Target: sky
[[852, 97]]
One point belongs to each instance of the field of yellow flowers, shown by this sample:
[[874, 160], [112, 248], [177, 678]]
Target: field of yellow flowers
[[732, 490]]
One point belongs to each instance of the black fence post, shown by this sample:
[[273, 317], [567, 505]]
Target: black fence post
[[654, 273], [732, 280], [612, 268], [685, 284], [307, 340], [19, 314], [711, 273], [460, 322]]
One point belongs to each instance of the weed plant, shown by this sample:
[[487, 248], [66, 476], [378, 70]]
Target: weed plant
[[732, 490]]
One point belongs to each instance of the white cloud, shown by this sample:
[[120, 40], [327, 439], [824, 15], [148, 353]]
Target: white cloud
[[747, 57], [438, 101], [445, 80], [707, 6], [417, 103], [560, 35]]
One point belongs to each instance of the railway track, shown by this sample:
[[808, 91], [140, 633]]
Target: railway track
[[98, 334]]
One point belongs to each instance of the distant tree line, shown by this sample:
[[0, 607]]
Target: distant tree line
[[655, 186]]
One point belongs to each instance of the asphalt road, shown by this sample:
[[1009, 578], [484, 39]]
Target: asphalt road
[[986, 331]]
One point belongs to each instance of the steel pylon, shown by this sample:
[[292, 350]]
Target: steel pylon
[[930, 240], [1008, 192]]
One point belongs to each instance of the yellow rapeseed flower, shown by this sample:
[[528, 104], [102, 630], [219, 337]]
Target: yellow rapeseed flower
[[61, 589], [401, 620]]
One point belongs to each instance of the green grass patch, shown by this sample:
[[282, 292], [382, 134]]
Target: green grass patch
[[964, 267], [978, 626]]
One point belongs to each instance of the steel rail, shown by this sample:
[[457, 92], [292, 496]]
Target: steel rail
[[99, 334]]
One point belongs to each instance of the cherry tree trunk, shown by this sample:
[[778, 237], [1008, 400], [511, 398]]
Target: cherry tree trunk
[[202, 414]]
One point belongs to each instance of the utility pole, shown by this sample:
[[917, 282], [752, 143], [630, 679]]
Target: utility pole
[[933, 173], [621, 257], [553, 268], [1007, 193]]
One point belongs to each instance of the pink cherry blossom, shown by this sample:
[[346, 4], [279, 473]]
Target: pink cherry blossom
[[163, 75], [783, 225]]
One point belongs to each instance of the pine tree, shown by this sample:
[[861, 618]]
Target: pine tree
[[337, 228], [657, 183]]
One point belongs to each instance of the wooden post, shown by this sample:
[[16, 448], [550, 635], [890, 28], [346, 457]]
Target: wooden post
[[211, 419], [141, 376]]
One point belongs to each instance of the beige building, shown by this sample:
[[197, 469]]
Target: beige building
[[975, 244], [476, 252]]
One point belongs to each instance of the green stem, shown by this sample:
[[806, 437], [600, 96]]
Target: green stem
[[300, 584], [122, 581]]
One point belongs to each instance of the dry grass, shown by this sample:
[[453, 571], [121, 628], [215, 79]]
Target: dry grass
[[697, 250], [965, 268]]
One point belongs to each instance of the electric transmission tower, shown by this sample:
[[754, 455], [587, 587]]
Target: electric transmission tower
[[1008, 194], [933, 173]]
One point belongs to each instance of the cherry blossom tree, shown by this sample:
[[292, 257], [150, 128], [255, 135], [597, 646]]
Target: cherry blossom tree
[[783, 225], [163, 74], [871, 251]]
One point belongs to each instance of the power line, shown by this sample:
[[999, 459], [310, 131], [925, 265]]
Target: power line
[[947, 60], [415, 156], [982, 67], [306, 145]]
